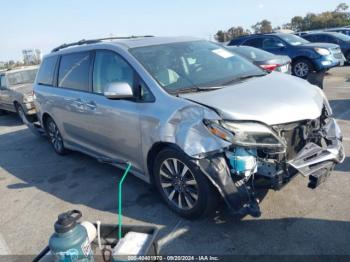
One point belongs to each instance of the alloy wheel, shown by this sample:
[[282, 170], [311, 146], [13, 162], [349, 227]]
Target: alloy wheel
[[178, 183], [301, 69], [55, 136]]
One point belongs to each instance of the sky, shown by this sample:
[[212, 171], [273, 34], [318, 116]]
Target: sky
[[45, 24]]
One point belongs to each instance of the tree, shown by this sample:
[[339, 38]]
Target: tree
[[262, 27], [337, 18], [342, 7], [220, 36], [297, 23], [233, 32]]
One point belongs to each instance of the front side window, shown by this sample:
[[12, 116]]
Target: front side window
[[188, 65], [74, 71], [3, 81], [271, 42], [109, 67]]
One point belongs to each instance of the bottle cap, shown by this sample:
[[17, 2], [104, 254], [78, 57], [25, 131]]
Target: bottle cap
[[67, 221]]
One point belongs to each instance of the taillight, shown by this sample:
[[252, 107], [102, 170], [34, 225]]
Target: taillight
[[271, 67]]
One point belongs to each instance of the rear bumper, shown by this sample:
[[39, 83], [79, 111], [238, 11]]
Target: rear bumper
[[312, 158]]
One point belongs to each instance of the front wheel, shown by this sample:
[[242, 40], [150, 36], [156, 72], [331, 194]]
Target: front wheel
[[182, 185], [55, 137], [347, 57], [21, 113], [301, 68]]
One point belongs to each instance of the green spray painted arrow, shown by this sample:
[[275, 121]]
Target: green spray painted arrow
[[120, 200]]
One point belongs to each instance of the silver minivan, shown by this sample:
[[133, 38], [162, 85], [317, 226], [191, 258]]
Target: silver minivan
[[195, 119]]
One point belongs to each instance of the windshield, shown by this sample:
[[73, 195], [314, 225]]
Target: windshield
[[343, 37], [188, 65], [293, 39], [21, 77], [251, 53]]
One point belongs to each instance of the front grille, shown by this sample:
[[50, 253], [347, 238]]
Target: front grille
[[295, 141], [297, 135], [337, 53], [338, 56]]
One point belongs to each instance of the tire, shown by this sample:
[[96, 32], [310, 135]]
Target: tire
[[347, 57], [302, 67], [54, 136], [21, 113], [183, 187]]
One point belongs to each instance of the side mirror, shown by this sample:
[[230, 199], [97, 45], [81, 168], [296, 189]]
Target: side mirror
[[118, 90]]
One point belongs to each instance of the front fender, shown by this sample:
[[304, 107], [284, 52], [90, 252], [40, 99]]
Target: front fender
[[185, 128]]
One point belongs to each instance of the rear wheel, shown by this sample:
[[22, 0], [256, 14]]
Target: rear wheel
[[55, 137], [302, 67], [182, 185]]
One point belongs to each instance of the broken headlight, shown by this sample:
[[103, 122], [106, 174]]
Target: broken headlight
[[251, 134]]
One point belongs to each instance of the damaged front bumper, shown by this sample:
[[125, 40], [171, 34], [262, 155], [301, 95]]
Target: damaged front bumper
[[312, 160]]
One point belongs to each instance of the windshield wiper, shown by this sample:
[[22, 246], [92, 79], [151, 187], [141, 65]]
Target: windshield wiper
[[194, 89], [244, 77]]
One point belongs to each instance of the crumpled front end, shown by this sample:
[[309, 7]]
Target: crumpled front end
[[311, 148]]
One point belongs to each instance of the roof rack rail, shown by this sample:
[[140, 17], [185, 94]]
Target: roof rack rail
[[93, 41]]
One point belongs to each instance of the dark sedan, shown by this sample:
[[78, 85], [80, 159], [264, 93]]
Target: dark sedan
[[265, 60]]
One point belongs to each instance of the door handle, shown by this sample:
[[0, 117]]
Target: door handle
[[91, 105], [78, 103]]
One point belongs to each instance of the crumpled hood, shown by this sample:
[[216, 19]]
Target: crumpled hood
[[276, 98]]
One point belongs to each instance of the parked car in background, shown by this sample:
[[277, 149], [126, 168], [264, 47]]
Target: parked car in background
[[342, 30], [332, 37], [306, 57], [265, 60], [190, 116], [16, 91]]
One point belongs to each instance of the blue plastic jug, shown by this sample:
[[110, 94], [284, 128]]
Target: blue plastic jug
[[70, 241]]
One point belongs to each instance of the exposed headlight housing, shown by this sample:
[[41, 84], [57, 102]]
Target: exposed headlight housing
[[217, 130], [28, 99], [322, 51], [246, 134]]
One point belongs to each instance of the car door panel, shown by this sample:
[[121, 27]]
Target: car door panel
[[112, 128]]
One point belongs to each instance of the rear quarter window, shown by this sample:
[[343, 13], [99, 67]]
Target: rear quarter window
[[254, 42], [47, 71]]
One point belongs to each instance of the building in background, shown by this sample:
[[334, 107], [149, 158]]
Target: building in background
[[31, 56]]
